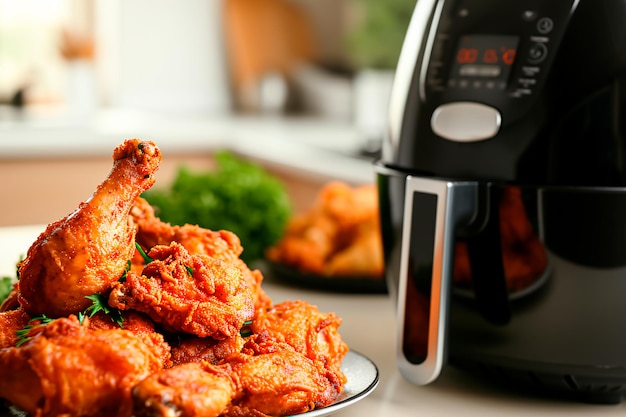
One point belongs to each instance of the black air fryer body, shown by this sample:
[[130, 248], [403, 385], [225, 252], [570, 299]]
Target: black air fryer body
[[503, 193]]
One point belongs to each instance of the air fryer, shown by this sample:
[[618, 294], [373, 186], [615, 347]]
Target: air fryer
[[502, 194]]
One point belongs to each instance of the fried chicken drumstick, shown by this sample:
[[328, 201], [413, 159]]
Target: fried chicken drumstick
[[88, 250]]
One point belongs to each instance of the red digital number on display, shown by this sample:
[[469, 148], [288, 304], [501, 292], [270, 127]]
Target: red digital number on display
[[508, 56], [490, 56], [467, 55]]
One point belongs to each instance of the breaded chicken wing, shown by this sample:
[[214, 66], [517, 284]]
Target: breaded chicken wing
[[204, 349], [222, 244], [141, 326], [69, 369], [188, 293], [309, 331], [188, 390], [276, 380], [88, 250]]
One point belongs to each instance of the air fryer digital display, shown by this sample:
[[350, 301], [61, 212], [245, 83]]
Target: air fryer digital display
[[483, 61]]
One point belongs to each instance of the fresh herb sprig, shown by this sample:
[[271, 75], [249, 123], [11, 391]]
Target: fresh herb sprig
[[6, 283], [245, 329], [123, 277], [143, 253], [99, 303], [23, 333], [6, 286]]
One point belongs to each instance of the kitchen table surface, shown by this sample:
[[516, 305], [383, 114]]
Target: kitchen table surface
[[369, 327]]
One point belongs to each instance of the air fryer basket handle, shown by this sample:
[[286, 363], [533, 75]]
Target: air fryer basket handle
[[433, 210]]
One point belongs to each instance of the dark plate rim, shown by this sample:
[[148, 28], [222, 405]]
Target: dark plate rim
[[340, 284]]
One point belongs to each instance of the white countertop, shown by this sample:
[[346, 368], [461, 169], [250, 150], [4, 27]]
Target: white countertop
[[368, 327], [312, 145]]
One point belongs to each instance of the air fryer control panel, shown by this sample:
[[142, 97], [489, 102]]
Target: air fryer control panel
[[488, 59]]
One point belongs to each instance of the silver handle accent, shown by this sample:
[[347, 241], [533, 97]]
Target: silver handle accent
[[455, 204]]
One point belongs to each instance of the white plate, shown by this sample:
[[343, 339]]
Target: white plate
[[362, 376]]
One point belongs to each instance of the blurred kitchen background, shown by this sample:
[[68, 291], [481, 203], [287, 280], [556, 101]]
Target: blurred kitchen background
[[299, 85]]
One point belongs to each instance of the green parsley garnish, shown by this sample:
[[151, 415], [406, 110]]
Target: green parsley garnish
[[123, 277], [23, 333], [245, 330], [6, 286], [144, 255], [99, 303], [6, 283]]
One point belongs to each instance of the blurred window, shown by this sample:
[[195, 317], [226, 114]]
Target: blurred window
[[31, 42]]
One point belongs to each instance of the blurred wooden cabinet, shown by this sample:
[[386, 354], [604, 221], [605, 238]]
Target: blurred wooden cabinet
[[40, 191]]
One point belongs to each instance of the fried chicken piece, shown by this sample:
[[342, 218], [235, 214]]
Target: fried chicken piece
[[222, 244], [349, 206], [339, 235], [267, 378], [68, 369], [141, 326], [151, 231], [188, 390], [205, 349], [85, 252], [277, 380], [363, 257], [309, 241], [309, 331], [195, 294], [10, 322]]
